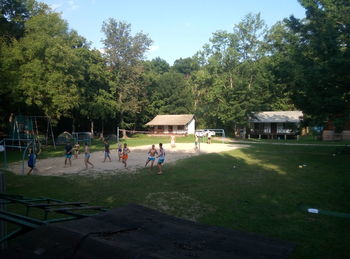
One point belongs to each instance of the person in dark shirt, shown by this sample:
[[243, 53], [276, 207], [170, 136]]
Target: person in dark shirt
[[68, 154], [32, 160], [107, 152]]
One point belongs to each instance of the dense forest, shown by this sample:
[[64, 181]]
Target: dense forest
[[48, 69]]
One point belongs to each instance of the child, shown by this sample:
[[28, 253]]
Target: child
[[107, 152], [196, 143], [87, 156], [76, 150], [172, 141], [151, 156], [119, 151], [68, 154], [161, 158], [31, 160], [125, 156]]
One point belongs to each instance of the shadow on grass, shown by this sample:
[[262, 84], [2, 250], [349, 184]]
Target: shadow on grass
[[256, 189]]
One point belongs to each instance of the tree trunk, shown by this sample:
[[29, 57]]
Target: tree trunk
[[73, 124], [122, 119], [124, 134], [102, 130], [92, 128], [121, 112]]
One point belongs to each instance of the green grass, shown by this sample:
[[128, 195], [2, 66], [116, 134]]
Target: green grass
[[257, 189]]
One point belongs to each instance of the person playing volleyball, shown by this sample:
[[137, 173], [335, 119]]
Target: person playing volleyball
[[151, 156], [120, 151], [161, 158], [125, 156]]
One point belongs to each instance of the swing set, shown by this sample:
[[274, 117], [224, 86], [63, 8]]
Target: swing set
[[24, 134], [27, 127]]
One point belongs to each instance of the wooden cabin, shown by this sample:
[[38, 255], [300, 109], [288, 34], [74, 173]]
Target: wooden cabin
[[275, 124], [180, 124]]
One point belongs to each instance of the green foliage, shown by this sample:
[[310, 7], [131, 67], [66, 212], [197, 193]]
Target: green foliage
[[156, 66], [124, 53], [185, 66], [50, 70], [235, 80], [46, 64], [321, 56]]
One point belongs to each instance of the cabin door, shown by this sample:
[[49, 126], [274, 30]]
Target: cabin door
[[273, 128]]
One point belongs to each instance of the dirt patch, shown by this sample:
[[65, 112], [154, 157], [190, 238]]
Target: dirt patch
[[177, 204], [137, 159]]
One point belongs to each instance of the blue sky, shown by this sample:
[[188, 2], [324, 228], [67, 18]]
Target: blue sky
[[179, 28]]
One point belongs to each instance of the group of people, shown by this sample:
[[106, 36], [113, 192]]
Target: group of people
[[69, 150], [153, 154], [123, 152], [123, 155]]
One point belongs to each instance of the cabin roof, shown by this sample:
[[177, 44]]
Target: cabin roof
[[277, 116], [178, 119]]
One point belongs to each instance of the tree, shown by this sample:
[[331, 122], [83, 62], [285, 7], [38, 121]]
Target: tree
[[321, 55], [185, 66], [124, 54], [45, 63], [96, 93], [14, 14], [238, 82], [156, 66], [173, 95]]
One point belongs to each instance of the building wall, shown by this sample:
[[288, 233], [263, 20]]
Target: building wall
[[191, 127], [165, 129], [266, 128], [331, 135]]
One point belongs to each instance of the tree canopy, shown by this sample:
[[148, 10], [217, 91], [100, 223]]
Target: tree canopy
[[48, 69]]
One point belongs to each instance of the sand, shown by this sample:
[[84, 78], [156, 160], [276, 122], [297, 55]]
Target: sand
[[137, 159]]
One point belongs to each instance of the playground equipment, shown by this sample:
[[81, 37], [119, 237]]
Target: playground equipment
[[25, 133], [25, 223], [6, 144], [27, 127]]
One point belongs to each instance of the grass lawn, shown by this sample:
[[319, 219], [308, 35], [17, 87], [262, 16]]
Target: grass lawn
[[257, 189]]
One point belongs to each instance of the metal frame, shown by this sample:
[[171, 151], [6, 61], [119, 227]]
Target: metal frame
[[29, 143], [26, 223], [35, 134]]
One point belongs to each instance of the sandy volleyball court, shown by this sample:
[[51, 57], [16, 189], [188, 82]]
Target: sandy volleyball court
[[137, 159]]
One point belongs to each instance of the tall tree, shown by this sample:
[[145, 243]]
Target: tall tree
[[172, 95], [124, 54], [185, 66], [96, 94], [322, 57], [14, 14], [45, 63], [239, 80]]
